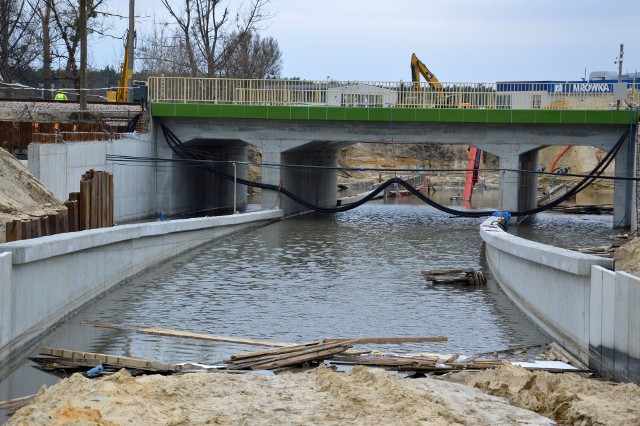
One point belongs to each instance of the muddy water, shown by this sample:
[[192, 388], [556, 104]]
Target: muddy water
[[353, 274]]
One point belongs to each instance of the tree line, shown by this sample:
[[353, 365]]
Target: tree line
[[40, 41]]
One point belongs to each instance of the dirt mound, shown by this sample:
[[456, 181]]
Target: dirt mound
[[627, 256], [321, 396], [22, 195], [566, 398]]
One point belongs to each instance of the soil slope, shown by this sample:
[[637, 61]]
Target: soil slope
[[21, 195]]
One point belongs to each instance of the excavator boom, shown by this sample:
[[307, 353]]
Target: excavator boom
[[418, 68]]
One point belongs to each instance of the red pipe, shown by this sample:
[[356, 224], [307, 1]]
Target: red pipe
[[553, 166]]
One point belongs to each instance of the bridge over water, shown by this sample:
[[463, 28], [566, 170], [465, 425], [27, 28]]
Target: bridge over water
[[305, 123]]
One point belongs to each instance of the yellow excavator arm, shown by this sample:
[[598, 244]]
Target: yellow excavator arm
[[417, 68]]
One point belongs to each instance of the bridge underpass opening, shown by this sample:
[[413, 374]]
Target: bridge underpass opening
[[309, 171], [195, 189]]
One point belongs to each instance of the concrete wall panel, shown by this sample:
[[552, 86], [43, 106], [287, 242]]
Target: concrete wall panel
[[608, 321], [590, 310], [551, 285], [595, 317], [46, 279]]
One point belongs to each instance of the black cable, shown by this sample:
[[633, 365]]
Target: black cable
[[178, 147]]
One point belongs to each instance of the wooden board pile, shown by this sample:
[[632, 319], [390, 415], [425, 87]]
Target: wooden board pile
[[466, 277], [275, 359]]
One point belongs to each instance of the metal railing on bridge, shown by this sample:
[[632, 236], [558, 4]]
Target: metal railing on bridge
[[508, 95]]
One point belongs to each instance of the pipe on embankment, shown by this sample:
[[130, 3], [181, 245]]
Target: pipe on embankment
[[43, 280], [574, 297]]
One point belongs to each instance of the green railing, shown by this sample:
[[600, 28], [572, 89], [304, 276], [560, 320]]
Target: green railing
[[505, 96]]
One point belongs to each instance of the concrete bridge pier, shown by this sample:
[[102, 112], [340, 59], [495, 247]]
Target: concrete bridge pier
[[307, 169], [518, 189], [624, 201]]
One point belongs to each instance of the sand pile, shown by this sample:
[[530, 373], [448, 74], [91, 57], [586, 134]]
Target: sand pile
[[566, 398], [627, 256], [320, 396], [22, 196]]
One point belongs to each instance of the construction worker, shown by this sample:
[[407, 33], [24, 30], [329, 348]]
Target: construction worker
[[60, 96]]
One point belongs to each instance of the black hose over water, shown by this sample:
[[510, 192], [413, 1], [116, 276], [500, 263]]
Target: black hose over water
[[178, 147], [585, 182]]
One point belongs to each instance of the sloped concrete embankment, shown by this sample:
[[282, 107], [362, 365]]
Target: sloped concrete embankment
[[576, 298], [45, 279]]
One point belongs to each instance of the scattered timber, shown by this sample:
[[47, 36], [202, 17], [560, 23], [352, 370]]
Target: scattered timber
[[557, 352], [329, 351], [585, 209], [553, 194], [188, 334], [277, 359], [413, 364], [93, 359], [388, 340], [467, 277], [12, 405], [602, 251]]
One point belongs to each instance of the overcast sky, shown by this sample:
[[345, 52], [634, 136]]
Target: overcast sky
[[459, 40]]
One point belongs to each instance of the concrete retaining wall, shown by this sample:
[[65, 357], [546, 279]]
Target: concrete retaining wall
[[614, 324], [573, 297], [45, 279], [60, 167]]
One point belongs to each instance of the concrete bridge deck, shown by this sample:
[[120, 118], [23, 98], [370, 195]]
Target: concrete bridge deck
[[288, 133]]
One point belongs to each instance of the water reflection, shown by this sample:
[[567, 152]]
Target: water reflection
[[354, 274]]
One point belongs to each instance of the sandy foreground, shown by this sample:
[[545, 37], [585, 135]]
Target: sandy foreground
[[324, 397]]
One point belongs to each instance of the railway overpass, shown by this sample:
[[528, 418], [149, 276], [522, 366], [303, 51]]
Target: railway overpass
[[299, 123]]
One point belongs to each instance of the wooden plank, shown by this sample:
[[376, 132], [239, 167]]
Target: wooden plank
[[25, 229], [36, 227], [249, 363], [13, 231], [387, 340], [63, 221], [120, 361], [44, 225], [53, 223], [104, 199], [565, 356], [300, 359], [97, 182], [84, 211], [110, 201], [12, 404], [93, 204], [384, 361], [191, 335], [284, 350], [72, 208]]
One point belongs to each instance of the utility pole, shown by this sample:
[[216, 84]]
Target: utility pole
[[620, 70], [131, 35], [83, 55]]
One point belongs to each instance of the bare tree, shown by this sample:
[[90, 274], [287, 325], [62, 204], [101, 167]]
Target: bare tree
[[18, 42], [254, 57], [162, 51], [182, 36], [207, 34], [66, 21], [42, 8]]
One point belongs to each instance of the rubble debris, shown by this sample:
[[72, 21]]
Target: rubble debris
[[466, 277], [602, 251]]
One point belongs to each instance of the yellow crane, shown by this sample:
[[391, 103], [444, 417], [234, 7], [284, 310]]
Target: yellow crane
[[121, 93]]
